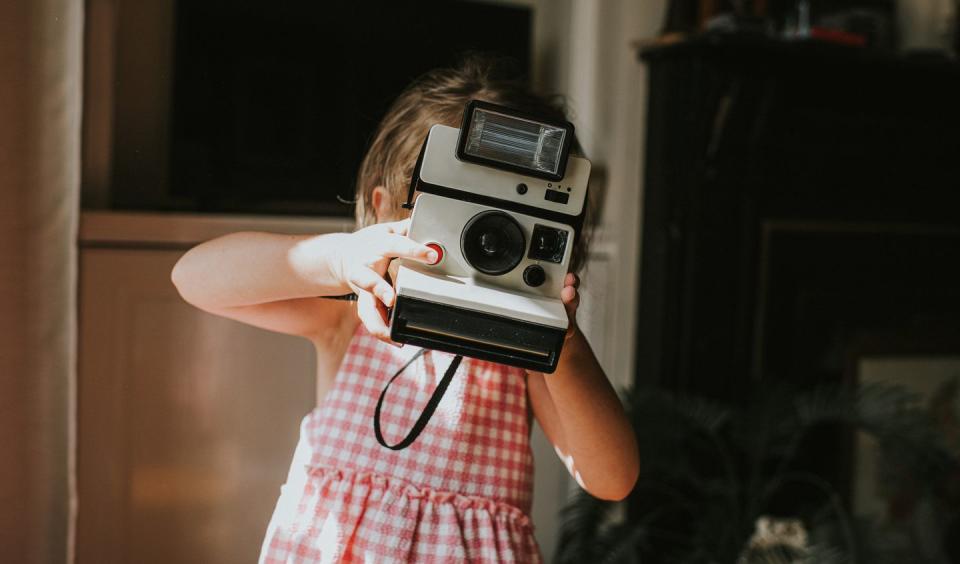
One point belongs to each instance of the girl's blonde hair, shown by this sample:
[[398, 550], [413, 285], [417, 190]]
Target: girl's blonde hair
[[440, 97]]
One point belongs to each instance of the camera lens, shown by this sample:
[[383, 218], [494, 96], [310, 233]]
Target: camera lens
[[493, 242], [489, 243]]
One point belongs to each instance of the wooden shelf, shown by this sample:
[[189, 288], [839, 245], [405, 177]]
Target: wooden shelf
[[109, 228]]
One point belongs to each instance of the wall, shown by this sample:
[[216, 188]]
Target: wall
[[584, 51], [605, 87], [40, 70]]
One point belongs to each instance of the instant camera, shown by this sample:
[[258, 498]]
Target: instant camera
[[501, 201]]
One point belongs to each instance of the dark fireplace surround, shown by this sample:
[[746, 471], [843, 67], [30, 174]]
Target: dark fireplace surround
[[801, 211]]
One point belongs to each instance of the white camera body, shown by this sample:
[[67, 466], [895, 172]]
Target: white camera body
[[505, 240]]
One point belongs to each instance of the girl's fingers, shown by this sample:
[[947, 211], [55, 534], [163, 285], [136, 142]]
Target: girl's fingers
[[398, 227], [393, 267], [572, 280], [384, 317], [372, 317], [370, 282], [571, 301], [402, 247]]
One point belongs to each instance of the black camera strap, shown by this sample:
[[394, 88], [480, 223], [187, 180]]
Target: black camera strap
[[428, 410]]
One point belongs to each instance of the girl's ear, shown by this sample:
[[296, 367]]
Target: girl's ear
[[382, 207]]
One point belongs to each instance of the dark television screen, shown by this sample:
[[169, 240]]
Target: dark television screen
[[275, 102]]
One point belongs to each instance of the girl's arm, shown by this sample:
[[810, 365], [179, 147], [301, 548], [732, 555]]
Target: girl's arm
[[275, 281], [263, 279], [582, 416]]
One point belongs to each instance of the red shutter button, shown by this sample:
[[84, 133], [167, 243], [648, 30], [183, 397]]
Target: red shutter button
[[439, 249]]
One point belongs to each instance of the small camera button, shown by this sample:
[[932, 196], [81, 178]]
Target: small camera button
[[438, 248], [534, 275]]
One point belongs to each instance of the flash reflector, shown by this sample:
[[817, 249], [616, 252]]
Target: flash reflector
[[503, 138]]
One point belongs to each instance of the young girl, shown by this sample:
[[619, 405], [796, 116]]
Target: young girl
[[462, 491]]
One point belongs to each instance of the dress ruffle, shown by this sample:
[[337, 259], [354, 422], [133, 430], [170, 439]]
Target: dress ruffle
[[333, 515], [498, 510]]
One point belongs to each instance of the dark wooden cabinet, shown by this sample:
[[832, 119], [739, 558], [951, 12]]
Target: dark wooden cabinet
[[800, 200]]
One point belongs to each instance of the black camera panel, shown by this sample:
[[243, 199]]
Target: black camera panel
[[556, 196], [548, 244]]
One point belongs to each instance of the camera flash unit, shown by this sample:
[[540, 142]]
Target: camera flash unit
[[502, 138]]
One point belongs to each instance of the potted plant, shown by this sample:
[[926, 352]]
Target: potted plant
[[726, 484]]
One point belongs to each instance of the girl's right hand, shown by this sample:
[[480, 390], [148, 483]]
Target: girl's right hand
[[362, 263]]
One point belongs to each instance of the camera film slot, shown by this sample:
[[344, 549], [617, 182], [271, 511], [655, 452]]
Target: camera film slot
[[415, 327], [477, 334]]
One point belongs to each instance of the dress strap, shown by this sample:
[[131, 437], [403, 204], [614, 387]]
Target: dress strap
[[428, 410]]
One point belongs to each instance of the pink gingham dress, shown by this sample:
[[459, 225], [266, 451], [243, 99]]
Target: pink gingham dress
[[460, 493]]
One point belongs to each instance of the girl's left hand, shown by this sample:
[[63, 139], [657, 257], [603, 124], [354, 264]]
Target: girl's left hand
[[571, 300]]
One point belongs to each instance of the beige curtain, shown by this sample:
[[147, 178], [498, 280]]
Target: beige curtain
[[40, 104]]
